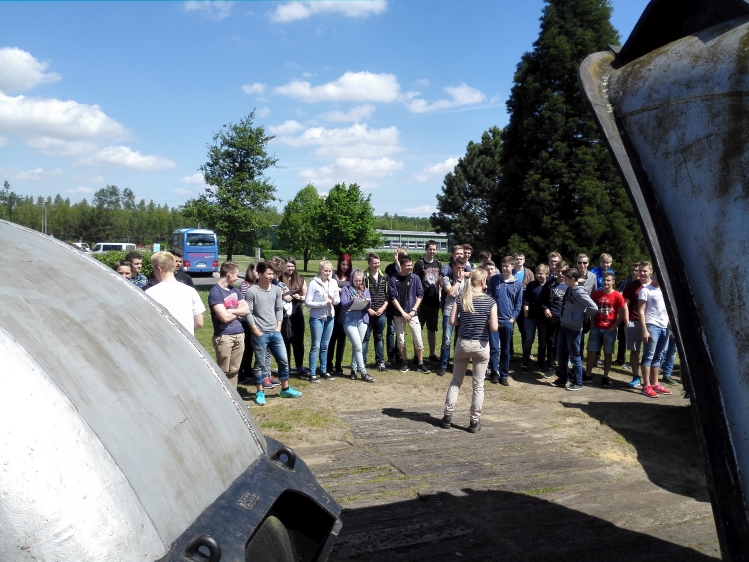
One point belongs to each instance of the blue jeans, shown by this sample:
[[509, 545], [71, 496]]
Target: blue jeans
[[355, 330], [320, 331], [447, 333], [652, 351], [599, 337], [376, 325], [273, 342], [568, 349], [493, 352], [505, 344], [393, 352], [530, 326], [669, 358]]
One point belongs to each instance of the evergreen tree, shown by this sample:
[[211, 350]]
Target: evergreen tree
[[463, 207], [559, 189]]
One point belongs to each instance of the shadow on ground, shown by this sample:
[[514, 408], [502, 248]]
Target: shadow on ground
[[493, 526], [665, 441]]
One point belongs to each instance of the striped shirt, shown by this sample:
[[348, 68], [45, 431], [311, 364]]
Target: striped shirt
[[475, 325]]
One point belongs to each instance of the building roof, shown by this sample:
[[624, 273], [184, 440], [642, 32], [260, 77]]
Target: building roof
[[412, 233]]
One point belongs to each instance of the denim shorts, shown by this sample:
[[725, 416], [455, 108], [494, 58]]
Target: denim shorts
[[599, 337]]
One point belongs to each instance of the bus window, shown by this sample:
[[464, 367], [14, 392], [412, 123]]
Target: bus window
[[196, 239]]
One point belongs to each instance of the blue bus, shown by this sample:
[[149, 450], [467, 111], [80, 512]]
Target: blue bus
[[199, 248]]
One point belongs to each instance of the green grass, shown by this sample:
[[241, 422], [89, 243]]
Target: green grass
[[541, 491]]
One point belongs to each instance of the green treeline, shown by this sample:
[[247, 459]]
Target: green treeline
[[113, 215]]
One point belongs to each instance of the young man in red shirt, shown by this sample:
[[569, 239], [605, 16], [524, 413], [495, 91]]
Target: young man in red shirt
[[603, 329]]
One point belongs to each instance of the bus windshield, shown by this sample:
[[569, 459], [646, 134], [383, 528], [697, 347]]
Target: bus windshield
[[195, 239]]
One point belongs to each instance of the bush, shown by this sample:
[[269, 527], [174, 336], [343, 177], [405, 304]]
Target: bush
[[110, 258]]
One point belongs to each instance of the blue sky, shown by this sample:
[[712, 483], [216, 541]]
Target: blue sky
[[384, 93]]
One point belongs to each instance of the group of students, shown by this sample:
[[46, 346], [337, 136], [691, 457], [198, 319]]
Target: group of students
[[556, 305]]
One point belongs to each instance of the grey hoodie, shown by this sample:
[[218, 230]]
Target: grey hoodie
[[577, 305]]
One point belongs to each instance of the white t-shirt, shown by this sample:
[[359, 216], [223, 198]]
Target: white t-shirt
[[182, 302], [655, 307]]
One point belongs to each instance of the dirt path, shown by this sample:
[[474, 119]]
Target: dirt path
[[593, 475]]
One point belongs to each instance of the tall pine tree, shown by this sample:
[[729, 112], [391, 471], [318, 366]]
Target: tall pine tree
[[558, 188], [463, 207]]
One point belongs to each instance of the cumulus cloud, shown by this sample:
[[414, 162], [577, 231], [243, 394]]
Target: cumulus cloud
[[357, 113], [293, 11], [21, 115], [355, 141], [353, 170], [287, 128], [460, 95], [352, 86], [87, 178], [195, 179], [256, 88], [37, 174], [216, 10], [262, 112], [80, 191], [20, 71], [439, 169], [127, 158], [423, 210]]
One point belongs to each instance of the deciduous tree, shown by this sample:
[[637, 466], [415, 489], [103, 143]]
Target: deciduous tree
[[236, 202], [346, 220], [299, 230]]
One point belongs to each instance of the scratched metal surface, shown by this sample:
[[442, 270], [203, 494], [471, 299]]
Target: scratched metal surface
[[685, 108], [147, 392]]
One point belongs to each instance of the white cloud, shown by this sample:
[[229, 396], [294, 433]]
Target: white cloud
[[287, 128], [34, 117], [256, 88], [358, 113], [86, 177], [439, 169], [293, 11], [60, 147], [195, 179], [37, 174], [355, 141], [262, 112], [214, 9], [126, 157], [461, 95], [353, 170], [20, 71], [80, 190], [423, 82], [352, 86], [423, 210]]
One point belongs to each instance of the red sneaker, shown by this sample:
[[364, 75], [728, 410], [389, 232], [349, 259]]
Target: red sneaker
[[661, 389], [649, 392]]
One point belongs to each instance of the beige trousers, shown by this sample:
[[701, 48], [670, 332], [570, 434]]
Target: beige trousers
[[466, 350], [229, 350], [400, 331]]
